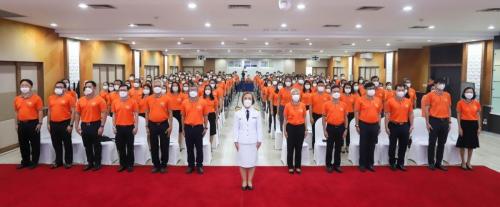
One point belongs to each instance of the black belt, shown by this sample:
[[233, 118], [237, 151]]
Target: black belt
[[398, 123], [90, 123], [441, 119], [59, 122], [190, 125], [366, 123], [27, 121], [158, 123]]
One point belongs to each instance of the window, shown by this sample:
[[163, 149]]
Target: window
[[107, 73], [319, 71], [152, 70], [264, 64], [349, 68], [368, 72], [389, 57], [234, 64], [474, 65], [338, 70], [137, 63], [73, 50]]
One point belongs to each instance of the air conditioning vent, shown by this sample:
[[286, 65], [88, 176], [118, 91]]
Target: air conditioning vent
[[331, 25], [419, 27], [187, 43], [101, 6], [489, 10], [240, 43], [346, 44], [240, 25], [144, 25], [294, 44], [369, 8], [239, 6], [6, 14]]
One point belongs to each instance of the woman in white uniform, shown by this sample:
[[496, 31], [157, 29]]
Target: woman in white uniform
[[246, 140]]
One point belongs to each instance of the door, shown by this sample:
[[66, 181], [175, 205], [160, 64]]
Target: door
[[452, 76]]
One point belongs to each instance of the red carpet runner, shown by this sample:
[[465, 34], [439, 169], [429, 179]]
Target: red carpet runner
[[220, 186]]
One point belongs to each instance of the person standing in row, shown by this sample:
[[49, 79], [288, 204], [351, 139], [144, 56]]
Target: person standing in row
[[125, 127], [367, 111], [294, 118], [247, 132], [275, 106], [60, 114], [349, 97], [159, 116], [284, 97], [213, 110], [91, 112], [195, 116], [469, 123], [175, 99], [334, 127], [437, 115], [398, 125], [28, 107], [318, 100]]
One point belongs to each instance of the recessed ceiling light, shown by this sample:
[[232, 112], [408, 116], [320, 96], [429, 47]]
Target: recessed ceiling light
[[192, 5], [197, 51], [310, 44], [132, 25], [301, 6], [321, 51], [89, 39], [245, 39], [491, 27], [432, 27], [429, 40], [133, 42], [166, 50], [119, 38], [388, 44], [222, 43], [228, 50], [359, 26], [266, 43], [407, 8], [290, 51], [283, 25], [83, 6], [207, 24], [307, 39], [368, 40], [53, 25], [353, 44], [179, 43]]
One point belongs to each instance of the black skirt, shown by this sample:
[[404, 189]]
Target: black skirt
[[177, 115], [470, 137], [212, 120]]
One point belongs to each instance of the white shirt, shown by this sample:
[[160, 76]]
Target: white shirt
[[247, 132]]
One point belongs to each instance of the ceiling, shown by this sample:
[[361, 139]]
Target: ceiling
[[173, 23]]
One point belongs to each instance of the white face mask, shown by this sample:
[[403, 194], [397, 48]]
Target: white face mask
[[116, 87], [24, 89], [145, 91], [88, 91], [157, 89], [321, 88], [175, 89], [193, 94], [468, 95], [315, 84], [131, 78], [328, 90], [295, 98], [294, 81], [347, 90], [301, 81], [275, 82], [247, 103], [356, 88], [136, 85], [208, 92], [280, 87], [400, 94], [123, 94], [370, 92], [105, 88], [212, 85], [185, 88], [408, 85], [441, 86], [388, 87], [111, 88], [336, 95], [58, 91], [376, 83], [163, 91], [307, 86], [288, 84]]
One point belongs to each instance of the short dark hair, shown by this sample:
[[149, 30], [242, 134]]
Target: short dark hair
[[441, 80], [374, 77], [27, 81], [473, 92], [60, 82], [369, 85], [335, 86], [92, 83], [123, 85]]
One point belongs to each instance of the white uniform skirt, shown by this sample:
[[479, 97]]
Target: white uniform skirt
[[247, 155]]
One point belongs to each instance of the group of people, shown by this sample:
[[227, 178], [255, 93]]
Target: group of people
[[339, 101]]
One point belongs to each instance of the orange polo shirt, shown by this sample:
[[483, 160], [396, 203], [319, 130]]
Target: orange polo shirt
[[413, 94], [157, 108], [175, 100], [369, 110], [72, 94], [468, 110], [60, 107], [380, 93], [112, 97], [27, 108], [295, 114], [135, 94], [285, 96], [275, 97], [349, 101], [318, 100], [439, 105], [90, 109], [389, 94], [212, 104], [104, 95], [399, 110], [423, 103], [143, 105], [270, 93], [307, 98], [124, 111], [335, 113], [194, 112]]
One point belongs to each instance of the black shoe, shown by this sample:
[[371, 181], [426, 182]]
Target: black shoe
[[402, 168], [393, 167], [155, 170], [68, 166], [32, 166], [189, 170], [441, 167], [244, 188], [469, 167], [371, 168], [329, 169], [249, 187], [298, 171], [432, 167], [163, 170], [87, 167], [130, 169], [54, 166], [97, 167], [121, 169], [290, 171], [362, 169], [338, 169], [21, 166], [200, 170]]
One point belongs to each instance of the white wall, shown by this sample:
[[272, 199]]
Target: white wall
[[283, 65], [321, 63]]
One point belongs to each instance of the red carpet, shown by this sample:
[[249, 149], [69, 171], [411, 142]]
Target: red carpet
[[220, 186]]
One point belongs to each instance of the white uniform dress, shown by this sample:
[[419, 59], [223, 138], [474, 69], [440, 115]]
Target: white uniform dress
[[247, 133]]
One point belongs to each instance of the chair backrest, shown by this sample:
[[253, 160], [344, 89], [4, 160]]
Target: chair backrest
[[383, 133], [278, 124], [141, 128], [417, 112], [308, 121], [44, 132], [174, 135], [419, 129], [453, 134], [108, 128], [318, 131]]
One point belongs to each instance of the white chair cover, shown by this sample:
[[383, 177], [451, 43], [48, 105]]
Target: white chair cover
[[319, 145], [174, 149], [451, 152], [109, 151], [47, 153], [305, 153], [278, 135], [353, 155], [141, 146], [420, 141], [417, 112]]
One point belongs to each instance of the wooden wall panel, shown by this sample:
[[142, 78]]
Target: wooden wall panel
[[487, 73], [300, 66], [378, 60], [412, 64]]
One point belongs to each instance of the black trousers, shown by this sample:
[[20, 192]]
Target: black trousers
[[315, 118], [177, 115], [194, 139], [29, 142], [160, 142], [61, 139], [92, 142], [272, 117], [294, 145], [439, 134], [400, 134], [281, 110], [334, 140], [368, 138], [125, 143], [350, 117]]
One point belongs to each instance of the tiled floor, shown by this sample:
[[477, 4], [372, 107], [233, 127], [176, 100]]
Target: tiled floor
[[225, 154]]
